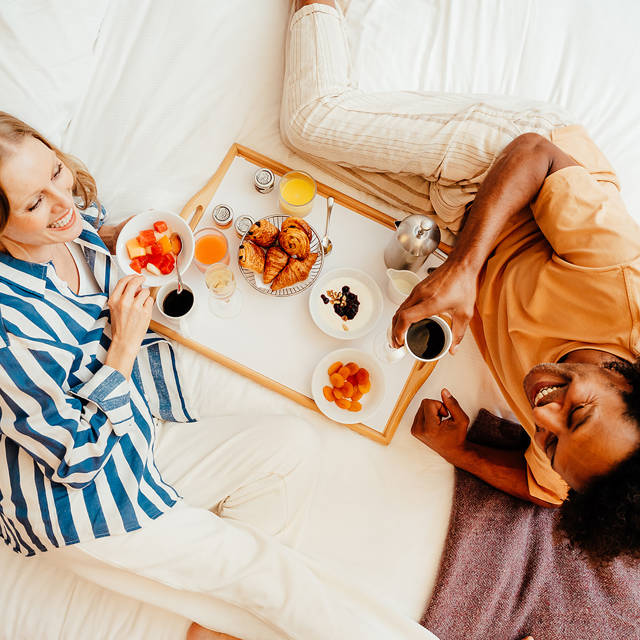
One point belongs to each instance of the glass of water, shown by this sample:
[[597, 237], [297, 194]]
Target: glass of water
[[224, 300], [383, 349]]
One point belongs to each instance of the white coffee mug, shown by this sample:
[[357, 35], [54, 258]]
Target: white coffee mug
[[418, 337], [174, 320], [388, 353]]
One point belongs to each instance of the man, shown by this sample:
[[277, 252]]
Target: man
[[546, 269]]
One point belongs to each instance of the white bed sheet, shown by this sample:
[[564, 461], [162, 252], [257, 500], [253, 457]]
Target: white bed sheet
[[165, 91]]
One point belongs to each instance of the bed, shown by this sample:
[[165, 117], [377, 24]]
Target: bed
[[150, 95]]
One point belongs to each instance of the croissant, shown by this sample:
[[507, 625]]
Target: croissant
[[297, 222], [295, 271], [263, 233], [275, 261], [251, 256], [295, 242]]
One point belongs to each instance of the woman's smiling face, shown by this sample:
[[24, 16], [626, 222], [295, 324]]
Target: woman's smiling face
[[38, 186], [579, 413]]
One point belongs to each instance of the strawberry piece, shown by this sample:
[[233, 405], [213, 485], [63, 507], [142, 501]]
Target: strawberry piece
[[156, 249], [166, 265], [154, 259], [146, 238]]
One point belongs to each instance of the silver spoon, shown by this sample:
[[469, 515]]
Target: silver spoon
[[179, 289], [325, 243]]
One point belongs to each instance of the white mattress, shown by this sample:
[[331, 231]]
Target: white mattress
[[151, 94]]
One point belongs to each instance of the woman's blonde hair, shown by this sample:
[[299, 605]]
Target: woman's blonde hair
[[12, 132]]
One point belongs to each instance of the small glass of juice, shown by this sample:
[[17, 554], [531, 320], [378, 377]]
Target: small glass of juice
[[297, 192], [210, 246]]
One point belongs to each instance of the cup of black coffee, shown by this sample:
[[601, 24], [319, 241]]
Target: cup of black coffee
[[428, 339], [174, 306]]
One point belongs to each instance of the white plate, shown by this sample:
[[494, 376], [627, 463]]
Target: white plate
[[143, 221], [370, 401], [368, 292]]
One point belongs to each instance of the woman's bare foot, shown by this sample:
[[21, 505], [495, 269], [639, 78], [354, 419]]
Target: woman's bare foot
[[196, 632], [303, 3]]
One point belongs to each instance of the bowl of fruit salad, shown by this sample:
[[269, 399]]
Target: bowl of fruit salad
[[151, 242]]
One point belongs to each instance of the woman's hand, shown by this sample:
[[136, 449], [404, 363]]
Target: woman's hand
[[449, 289], [131, 306], [109, 234], [442, 426]]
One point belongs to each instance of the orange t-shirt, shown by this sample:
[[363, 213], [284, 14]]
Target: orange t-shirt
[[564, 275]]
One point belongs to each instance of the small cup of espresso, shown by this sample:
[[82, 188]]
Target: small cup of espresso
[[174, 306], [428, 339]]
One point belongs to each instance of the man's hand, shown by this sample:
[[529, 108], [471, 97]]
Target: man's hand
[[512, 182], [451, 288], [442, 426]]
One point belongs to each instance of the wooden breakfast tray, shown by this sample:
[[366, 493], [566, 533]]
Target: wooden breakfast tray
[[251, 349]]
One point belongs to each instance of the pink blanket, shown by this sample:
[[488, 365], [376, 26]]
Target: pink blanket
[[506, 573]]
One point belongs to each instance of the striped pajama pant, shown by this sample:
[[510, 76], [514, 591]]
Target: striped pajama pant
[[421, 152]]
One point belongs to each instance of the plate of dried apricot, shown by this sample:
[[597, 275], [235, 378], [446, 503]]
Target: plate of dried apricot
[[348, 385]]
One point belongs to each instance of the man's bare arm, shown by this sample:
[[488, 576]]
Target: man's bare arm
[[511, 184], [442, 426]]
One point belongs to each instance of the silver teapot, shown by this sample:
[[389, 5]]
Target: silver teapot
[[415, 238]]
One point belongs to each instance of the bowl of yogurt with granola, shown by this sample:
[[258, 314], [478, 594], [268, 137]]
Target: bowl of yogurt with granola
[[345, 303]]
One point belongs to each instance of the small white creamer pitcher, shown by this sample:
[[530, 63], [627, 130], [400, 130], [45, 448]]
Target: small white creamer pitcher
[[400, 283]]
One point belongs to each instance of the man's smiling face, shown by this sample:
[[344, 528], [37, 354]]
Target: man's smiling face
[[579, 413]]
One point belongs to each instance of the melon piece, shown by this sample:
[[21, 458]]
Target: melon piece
[[134, 249]]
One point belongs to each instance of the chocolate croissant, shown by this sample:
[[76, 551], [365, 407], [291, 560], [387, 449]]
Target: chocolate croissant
[[251, 256], [263, 233], [295, 242], [297, 222], [295, 271], [275, 261]]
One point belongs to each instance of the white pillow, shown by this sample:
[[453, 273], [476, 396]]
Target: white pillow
[[46, 59], [580, 54]]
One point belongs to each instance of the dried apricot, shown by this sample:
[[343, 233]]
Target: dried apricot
[[362, 376], [344, 372], [365, 387], [336, 380], [356, 395], [353, 368], [343, 403], [337, 394], [355, 406], [347, 389], [352, 380], [334, 367], [328, 393]]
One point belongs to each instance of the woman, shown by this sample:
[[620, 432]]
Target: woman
[[86, 472]]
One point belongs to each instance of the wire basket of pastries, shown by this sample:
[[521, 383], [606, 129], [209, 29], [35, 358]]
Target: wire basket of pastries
[[280, 255]]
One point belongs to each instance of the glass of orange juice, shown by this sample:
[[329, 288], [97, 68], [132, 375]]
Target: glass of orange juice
[[297, 191], [210, 246]]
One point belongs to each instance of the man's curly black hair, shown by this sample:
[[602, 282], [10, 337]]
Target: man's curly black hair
[[603, 519]]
